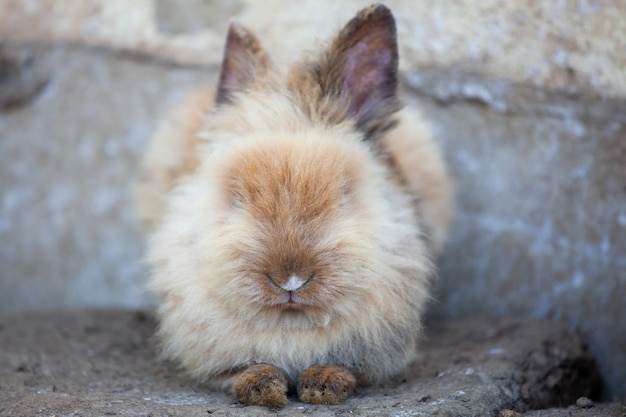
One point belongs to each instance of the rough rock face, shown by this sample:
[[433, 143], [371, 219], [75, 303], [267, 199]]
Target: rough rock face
[[570, 46], [529, 102], [93, 363]]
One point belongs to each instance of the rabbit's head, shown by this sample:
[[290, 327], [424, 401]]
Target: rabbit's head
[[299, 181]]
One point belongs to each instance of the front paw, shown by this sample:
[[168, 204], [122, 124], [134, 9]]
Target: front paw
[[325, 384], [264, 385]]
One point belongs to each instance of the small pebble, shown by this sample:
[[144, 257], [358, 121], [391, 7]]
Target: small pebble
[[584, 402], [508, 413]]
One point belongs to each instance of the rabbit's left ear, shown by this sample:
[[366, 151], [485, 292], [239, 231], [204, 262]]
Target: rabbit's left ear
[[362, 64], [244, 60]]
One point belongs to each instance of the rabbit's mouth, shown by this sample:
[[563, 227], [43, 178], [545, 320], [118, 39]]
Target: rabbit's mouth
[[291, 300]]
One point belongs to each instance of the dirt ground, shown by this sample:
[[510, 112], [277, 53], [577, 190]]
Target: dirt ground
[[104, 363]]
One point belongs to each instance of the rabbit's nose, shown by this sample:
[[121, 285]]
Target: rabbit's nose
[[293, 284]]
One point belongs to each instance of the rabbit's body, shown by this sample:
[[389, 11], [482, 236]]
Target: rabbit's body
[[299, 227]]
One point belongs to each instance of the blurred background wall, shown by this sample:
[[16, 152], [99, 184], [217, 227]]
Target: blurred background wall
[[528, 100]]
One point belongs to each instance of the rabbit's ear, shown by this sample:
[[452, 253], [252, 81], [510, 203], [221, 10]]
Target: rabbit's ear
[[244, 59], [362, 64]]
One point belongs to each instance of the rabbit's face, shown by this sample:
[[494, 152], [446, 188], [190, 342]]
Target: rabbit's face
[[297, 225], [300, 192]]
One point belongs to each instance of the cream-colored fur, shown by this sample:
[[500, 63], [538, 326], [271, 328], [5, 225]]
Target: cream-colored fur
[[263, 191], [172, 155]]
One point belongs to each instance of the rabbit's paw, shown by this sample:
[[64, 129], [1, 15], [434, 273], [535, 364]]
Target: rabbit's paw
[[325, 384], [264, 385]]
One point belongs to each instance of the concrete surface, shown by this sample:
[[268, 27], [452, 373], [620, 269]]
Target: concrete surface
[[530, 109], [567, 45], [93, 363]]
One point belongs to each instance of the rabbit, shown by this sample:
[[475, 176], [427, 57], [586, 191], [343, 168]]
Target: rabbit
[[293, 215]]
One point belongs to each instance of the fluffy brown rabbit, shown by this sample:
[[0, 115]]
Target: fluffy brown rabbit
[[295, 221]]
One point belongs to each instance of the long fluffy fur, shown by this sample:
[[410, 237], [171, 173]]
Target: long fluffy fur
[[277, 180]]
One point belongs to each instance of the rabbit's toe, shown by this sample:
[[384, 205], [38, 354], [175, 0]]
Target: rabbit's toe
[[264, 385], [325, 384]]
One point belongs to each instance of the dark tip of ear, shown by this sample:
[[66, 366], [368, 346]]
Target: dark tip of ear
[[235, 27], [377, 10], [243, 59], [366, 54], [240, 36], [372, 16]]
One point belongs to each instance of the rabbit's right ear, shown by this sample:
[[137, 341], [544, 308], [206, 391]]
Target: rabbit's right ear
[[244, 59]]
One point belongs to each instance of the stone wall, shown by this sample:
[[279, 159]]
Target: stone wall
[[529, 102]]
